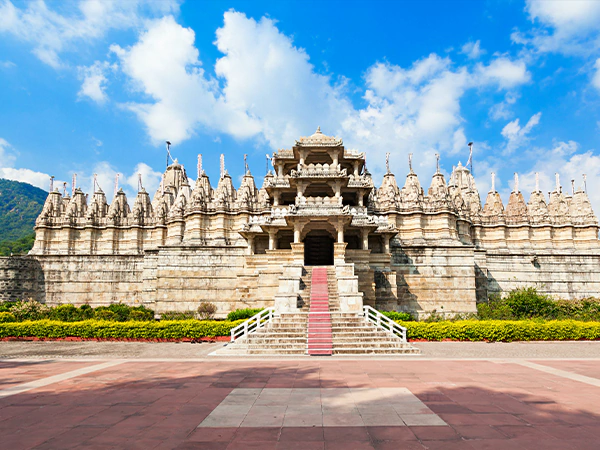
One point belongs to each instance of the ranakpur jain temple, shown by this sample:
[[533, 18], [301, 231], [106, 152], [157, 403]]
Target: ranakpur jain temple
[[392, 247]]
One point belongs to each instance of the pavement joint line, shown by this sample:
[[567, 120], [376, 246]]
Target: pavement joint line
[[560, 373], [20, 388]]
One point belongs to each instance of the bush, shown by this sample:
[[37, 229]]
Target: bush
[[503, 330], [206, 310], [91, 329], [243, 313], [527, 303], [65, 313], [177, 315], [5, 306], [103, 313], [394, 315], [140, 316], [7, 317], [29, 310], [86, 312]]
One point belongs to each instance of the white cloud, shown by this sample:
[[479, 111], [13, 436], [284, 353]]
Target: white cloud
[[265, 87], [570, 163], [52, 33], [7, 64], [504, 72], [516, 136], [106, 176], [473, 50], [596, 77], [8, 158], [94, 81]]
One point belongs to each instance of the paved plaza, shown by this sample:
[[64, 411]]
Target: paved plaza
[[60, 395]]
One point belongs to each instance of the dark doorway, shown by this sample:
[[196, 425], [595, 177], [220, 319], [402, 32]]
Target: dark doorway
[[318, 250]]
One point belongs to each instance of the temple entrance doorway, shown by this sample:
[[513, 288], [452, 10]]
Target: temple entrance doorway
[[318, 249]]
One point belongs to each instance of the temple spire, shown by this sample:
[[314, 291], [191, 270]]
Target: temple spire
[[116, 184], [410, 155], [387, 162], [437, 163], [516, 190], [222, 165], [557, 177], [73, 184], [493, 189], [199, 165]]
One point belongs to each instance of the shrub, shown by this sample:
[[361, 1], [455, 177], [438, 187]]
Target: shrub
[[29, 310], [7, 317], [243, 313], [503, 330], [177, 315], [206, 310], [86, 312], [394, 315], [5, 306], [527, 303], [140, 316], [91, 329], [65, 313], [103, 313]]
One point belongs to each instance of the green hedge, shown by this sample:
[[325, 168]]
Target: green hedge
[[119, 330], [503, 330], [246, 313]]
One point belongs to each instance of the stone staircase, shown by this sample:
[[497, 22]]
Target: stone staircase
[[319, 328], [319, 338]]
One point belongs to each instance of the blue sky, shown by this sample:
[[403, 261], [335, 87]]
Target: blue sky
[[98, 86]]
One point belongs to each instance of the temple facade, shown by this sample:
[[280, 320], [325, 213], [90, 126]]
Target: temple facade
[[393, 247]]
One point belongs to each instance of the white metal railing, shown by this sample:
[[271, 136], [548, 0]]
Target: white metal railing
[[384, 322], [252, 324]]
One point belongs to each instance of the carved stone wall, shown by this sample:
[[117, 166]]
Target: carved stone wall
[[21, 278]]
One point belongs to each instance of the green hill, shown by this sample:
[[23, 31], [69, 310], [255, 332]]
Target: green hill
[[20, 204]]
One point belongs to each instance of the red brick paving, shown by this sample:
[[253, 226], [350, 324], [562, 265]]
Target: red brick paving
[[18, 372], [487, 405]]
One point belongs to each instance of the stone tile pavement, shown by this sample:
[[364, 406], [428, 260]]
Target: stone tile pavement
[[318, 403]]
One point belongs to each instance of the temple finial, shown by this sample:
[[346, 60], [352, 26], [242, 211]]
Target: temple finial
[[140, 186], [116, 184], [199, 165], [585, 182], [318, 130], [537, 182], [64, 188], [387, 163], [572, 187], [73, 184], [246, 168], [516, 190], [410, 155], [222, 165], [557, 177], [493, 189], [437, 163], [52, 183]]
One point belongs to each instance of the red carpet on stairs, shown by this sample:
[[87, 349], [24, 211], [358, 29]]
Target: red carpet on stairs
[[320, 340]]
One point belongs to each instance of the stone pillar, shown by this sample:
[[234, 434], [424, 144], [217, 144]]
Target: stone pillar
[[356, 168], [280, 170], [360, 200], [339, 253], [386, 243], [251, 245], [365, 239], [276, 198], [296, 233], [272, 239], [340, 233]]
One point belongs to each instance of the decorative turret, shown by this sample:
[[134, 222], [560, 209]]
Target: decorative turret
[[537, 209], [247, 194], [493, 211], [558, 207], [438, 197], [516, 210], [77, 206], [581, 209], [119, 208], [142, 208], [53, 208]]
